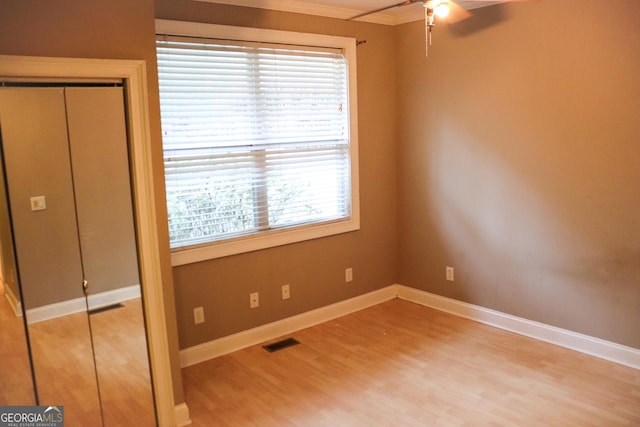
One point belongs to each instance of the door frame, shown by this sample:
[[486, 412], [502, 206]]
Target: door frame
[[133, 74]]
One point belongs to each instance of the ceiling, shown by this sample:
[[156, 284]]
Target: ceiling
[[345, 9]]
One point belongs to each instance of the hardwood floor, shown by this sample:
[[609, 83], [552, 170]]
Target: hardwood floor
[[123, 366], [65, 371], [401, 364], [64, 368], [66, 375]]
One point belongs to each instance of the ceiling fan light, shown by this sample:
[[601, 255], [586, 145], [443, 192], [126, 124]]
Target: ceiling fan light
[[442, 9]]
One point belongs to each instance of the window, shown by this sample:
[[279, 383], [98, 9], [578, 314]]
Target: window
[[259, 137]]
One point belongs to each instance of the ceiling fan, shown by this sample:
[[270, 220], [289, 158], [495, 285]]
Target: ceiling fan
[[448, 9]]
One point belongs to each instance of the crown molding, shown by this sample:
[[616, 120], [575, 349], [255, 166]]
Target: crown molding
[[309, 8]]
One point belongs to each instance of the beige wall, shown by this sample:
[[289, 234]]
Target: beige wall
[[519, 163], [119, 29], [314, 269]]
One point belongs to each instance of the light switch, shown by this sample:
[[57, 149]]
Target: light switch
[[38, 203]]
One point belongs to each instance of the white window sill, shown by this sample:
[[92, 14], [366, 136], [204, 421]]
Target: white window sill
[[262, 241]]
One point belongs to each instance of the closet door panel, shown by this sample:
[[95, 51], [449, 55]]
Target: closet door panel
[[99, 153], [16, 385]]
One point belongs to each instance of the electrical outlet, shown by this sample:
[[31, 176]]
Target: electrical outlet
[[348, 274], [286, 292], [449, 274], [254, 300], [198, 315]]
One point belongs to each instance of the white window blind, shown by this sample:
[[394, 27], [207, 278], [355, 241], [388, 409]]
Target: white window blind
[[255, 137]]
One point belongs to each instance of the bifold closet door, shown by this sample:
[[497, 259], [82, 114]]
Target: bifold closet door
[[67, 174], [38, 168]]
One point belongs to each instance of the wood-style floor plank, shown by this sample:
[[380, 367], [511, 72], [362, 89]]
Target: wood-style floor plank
[[401, 364]]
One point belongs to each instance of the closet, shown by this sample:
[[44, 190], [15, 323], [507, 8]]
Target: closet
[[69, 253]]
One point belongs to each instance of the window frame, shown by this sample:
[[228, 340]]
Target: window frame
[[278, 237]]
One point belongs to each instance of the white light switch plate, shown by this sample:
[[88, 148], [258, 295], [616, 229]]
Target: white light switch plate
[[38, 203]]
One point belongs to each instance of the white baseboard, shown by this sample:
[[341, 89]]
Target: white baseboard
[[77, 305], [607, 350], [14, 302], [603, 349], [211, 349], [182, 415]]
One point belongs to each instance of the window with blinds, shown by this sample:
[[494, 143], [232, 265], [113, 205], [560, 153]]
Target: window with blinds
[[256, 138]]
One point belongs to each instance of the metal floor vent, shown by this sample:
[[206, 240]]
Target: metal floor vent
[[105, 308], [281, 344]]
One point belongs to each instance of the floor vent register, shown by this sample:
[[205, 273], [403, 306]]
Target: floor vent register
[[279, 345]]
